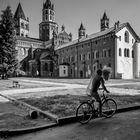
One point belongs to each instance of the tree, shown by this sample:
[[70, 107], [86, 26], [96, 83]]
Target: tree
[[8, 51]]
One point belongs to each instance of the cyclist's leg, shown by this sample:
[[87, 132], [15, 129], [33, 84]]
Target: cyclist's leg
[[98, 99]]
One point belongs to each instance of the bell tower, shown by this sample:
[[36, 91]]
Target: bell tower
[[21, 22], [81, 31], [48, 24], [104, 22]]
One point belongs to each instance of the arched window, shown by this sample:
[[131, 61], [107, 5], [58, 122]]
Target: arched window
[[97, 54], [132, 53], [125, 52], [120, 52], [126, 37]]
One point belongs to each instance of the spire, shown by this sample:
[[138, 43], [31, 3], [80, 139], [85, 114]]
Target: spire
[[104, 16], [19, 12], [48, 4], [81, 31], [104, 22], [81, 27]]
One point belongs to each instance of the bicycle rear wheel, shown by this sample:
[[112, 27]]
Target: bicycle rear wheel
[[109, 108], [84, 112]]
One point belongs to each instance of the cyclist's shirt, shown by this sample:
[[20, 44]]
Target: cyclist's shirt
[[97, 81]]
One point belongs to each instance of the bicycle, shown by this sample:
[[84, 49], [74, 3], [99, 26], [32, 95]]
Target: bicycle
[[86, 109]]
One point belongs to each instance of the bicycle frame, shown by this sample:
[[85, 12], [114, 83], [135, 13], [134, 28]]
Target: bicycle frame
[[103, 97]]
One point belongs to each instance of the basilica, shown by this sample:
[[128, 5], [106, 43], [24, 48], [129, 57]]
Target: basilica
[[55, 54]]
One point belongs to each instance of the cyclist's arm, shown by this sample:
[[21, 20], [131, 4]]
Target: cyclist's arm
[[103, 85]]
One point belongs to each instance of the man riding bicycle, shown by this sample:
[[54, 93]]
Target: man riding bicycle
[[96, 82]]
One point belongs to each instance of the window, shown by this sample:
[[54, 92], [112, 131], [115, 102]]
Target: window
[[109, 53], [22, 24], [46, 17], [83, 56], [120, 52], [104, 53], [64, 71], [93, 55], [132, 53], [132, 40], [22, 34], [88, 56], [27, 26], [109, 65], [71, 71], [97, 54], [125, 52], [126, 37], [120, 38]]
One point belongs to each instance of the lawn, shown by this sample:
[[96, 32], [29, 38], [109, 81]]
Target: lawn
[[13, 117], [65, 105], [128, 86]]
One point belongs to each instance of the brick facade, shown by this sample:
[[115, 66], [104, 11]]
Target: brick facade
[[85, 57]]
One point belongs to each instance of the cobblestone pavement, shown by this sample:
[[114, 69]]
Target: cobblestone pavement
[[61, 88]]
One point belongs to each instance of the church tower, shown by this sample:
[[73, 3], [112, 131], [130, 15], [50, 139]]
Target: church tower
[[104, 22], [81, 31], [21, 22], [48, 24]]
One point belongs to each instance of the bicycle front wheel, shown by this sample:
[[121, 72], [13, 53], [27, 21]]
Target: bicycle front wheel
[[84, 112], [109, 108]]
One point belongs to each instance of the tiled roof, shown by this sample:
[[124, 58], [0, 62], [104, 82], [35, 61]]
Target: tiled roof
[[99, 34], [29, 39]]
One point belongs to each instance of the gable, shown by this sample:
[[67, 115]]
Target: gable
[[127, 27]]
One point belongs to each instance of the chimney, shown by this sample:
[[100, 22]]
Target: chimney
[[117, 25]]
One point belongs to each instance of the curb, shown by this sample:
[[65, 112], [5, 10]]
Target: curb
[[61, 121], [72, 119]]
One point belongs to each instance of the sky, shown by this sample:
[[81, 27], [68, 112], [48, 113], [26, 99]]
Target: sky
[[71, 13]]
